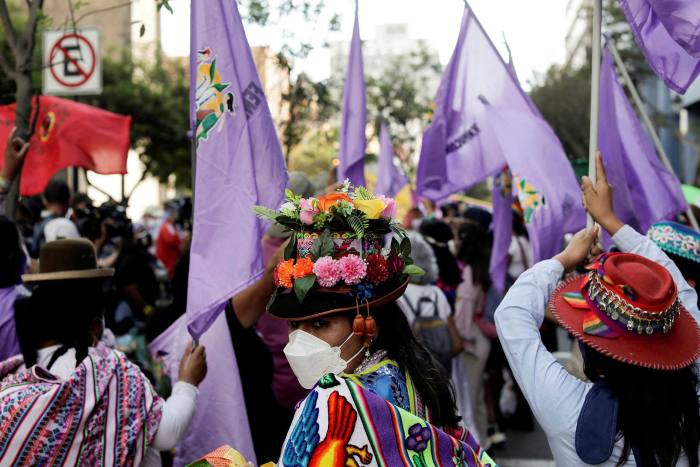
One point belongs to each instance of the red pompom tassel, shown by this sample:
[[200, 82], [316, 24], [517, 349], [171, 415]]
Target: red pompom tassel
[[358, 325], [370, 327]]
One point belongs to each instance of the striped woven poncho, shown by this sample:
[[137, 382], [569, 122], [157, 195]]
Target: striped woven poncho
[[105, 414]]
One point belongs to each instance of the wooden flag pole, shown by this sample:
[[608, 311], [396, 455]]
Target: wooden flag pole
[[647, 121], [595, 93]]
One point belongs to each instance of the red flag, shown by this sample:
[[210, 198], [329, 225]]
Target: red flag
[[69, 134]]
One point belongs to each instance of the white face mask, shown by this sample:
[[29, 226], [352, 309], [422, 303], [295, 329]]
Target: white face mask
[[311, 358]]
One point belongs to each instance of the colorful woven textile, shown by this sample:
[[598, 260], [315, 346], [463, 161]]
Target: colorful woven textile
[[340, 423], [105, 414], [676, 239]]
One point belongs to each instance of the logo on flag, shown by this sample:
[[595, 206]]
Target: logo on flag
[[47, 126], [212, 103], [529, 197]]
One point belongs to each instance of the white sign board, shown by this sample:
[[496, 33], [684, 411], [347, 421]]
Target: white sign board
[[72, 62]]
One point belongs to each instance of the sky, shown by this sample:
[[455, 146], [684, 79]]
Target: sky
[[535, 29]]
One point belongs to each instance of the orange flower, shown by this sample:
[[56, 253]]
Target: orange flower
[[283, 273], [331, 200], [303, 268]]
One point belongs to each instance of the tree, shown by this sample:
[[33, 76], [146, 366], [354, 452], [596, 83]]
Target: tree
[[19, 64], [157, 97]]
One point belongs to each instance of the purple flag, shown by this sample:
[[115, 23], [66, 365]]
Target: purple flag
[[645, 191], [502, 227], [239, 162], [681, 18], [667, 32], [390, 180], [221, 416], [352, 129], [458, 148], [543, 179], [9, 344]]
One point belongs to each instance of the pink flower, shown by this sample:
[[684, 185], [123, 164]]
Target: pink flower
[[390, 207], [352, 269], [327, 271], [308, 211]]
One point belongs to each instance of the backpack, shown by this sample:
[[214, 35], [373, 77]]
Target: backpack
[[432, 331]]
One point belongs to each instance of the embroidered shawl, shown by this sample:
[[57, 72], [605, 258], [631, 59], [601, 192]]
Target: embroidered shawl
[[105, 414]]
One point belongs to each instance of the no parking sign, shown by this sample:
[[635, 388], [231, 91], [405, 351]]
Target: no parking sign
[[72, 62]]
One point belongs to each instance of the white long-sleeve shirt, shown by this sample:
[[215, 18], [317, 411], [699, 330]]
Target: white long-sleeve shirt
[[555, 396], [178, 410]]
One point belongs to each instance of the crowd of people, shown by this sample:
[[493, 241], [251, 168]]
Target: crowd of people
[[444, 348]]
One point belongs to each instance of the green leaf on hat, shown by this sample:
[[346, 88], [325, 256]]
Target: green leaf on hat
[[413, 270], [265, 213], [289, 249], [395, 247], [212, 71], [303, 285], [272, 299], [358, 225], [406, 247], [323, 246]]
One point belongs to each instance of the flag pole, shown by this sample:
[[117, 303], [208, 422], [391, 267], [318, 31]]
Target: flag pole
[[595, 93], [647, 121]]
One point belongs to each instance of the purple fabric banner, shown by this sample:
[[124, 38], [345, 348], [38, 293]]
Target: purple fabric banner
[[543, 179], [9, 345], [239, 162], [681, 18], [221, 416], [645, 191], [667, 31], [458, 149], [502, 228], [352, 129], [389, 180]]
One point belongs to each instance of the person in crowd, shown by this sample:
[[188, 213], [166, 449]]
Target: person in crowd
[[479, 215], [412, 219], [54, 224], [70, 400], [682, 244], [81, 201], [169, 244], [469, 368], [135, 281], [439, 234], [351, 344], [636, 320], [426, 308], [520, 251]]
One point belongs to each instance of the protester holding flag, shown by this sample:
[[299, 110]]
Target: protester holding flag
[[68, 398], [351, 344], [636, 321]]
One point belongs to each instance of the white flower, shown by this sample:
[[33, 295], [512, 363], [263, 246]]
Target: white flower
[[288, 209]]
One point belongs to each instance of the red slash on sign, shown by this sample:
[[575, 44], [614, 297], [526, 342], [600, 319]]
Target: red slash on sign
[[72, 60]]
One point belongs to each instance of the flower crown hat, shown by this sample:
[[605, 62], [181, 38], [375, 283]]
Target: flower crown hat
[[676, 239], [627, 307], [334, 261]]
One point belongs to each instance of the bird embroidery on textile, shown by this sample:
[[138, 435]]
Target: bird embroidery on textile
[[335, 450], [305, 436]]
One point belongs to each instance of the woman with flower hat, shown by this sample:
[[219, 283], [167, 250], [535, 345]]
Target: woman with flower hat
[[635, 319], [350, 343]]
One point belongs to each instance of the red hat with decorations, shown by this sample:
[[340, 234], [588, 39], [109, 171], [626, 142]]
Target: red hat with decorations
[[627, 307]]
